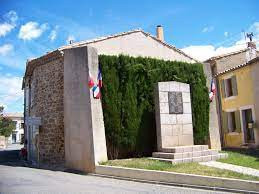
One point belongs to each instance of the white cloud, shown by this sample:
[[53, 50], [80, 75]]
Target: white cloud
[[11, 16], [208, 29], [203, 52], [5, 28], [32, 30], [10, 91], [255, 29], [9, 23], [5, 49], [53, 34], [70, 38], [226, 34]]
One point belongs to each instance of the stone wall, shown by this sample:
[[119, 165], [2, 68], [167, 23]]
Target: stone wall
[[230, 61], [3, 142], [255, 78], [83, 117], [214, 114], [47, 103]]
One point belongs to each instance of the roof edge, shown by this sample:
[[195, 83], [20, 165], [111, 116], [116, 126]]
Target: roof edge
[[237, 67], [225, 55]]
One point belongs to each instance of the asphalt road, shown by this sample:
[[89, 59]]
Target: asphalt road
[[19, 179]]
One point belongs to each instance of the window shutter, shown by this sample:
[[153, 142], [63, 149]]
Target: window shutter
[[234, 85], [225, 121], [237, 120], [222, 85]]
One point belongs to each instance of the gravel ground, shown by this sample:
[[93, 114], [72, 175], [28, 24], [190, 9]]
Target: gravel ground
[[240, 169]]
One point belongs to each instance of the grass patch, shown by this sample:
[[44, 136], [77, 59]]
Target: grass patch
[[246, 158], [189, 168]]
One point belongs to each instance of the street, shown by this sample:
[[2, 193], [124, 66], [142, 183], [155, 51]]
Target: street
[[19, 179]]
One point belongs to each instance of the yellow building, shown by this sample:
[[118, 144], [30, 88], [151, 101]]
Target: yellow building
[[239, 102]]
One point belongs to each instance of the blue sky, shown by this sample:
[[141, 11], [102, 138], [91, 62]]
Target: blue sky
[[31, 28]]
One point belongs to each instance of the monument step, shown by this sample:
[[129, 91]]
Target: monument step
[[193, 159], [182, 155], [181, 149]]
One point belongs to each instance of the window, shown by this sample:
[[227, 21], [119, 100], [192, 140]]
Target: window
[[229, 87], [22, 125], [231, 122]]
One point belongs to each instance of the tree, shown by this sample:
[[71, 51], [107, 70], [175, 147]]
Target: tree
[[6, 124]]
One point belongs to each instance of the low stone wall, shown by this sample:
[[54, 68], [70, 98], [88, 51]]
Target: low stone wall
[[179, 178], [3, 142]]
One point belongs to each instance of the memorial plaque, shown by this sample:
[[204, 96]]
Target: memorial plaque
[[175, 101]]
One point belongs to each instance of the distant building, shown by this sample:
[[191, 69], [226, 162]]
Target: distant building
[[235, 92], [239, 88], [18, 133]]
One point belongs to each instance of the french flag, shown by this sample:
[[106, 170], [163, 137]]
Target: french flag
[[90, 81], [213, 87], [99, 78], [96, 92], [212, 90]]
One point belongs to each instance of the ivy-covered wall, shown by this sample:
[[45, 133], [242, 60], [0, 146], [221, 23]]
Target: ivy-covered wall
[[128, 101]]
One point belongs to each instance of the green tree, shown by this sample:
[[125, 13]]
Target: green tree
[[128, 101], [6, 124]]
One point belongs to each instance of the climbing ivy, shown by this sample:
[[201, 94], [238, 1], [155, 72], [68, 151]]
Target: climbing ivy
[[128, 101]]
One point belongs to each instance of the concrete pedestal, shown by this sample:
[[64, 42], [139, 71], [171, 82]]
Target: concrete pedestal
[[85, 143]]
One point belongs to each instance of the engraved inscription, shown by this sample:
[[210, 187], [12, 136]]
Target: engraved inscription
[[175, 101]]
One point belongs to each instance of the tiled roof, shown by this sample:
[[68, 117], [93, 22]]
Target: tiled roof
[[238, 66], [226, 55]]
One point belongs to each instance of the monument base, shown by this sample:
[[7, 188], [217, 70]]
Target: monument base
[[185, 154]]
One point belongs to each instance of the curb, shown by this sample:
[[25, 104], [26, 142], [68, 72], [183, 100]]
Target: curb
[[179, 179]]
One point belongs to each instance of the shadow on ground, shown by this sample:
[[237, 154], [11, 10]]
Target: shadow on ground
[[11, 158]]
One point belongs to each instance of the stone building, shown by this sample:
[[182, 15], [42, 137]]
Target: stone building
[[239, 88], [226, 62], [43, 86]]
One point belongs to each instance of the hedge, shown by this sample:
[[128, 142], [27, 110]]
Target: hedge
[[128, 101]]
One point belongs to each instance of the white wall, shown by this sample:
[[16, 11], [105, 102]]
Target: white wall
[[18, 130], [138, 44]]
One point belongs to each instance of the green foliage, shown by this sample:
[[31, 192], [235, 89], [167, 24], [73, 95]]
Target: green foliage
[[128, 101], [6, 125]]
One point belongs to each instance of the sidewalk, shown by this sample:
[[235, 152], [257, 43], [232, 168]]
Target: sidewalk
[[235, 168]]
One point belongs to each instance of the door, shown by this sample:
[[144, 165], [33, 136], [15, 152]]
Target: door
[[248, 132], [14, 137]]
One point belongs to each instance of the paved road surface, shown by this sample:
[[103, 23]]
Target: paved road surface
[[18, 179]]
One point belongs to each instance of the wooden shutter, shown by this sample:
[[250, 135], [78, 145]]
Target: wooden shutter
[[225, 121], [234, 85], [222, 85], [237, 120]]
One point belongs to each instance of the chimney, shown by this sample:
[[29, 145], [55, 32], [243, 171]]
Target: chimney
[[251, 51], [160, 33]]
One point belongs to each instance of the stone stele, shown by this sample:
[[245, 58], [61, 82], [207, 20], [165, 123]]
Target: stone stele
[[173, 114]]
